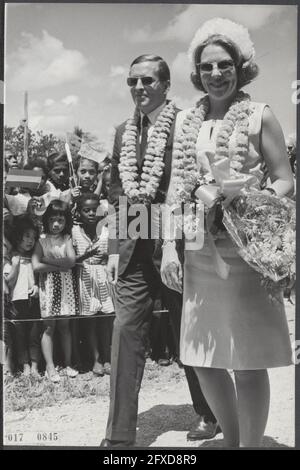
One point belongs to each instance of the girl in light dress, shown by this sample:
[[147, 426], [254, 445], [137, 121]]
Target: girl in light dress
[[53, 259], [88, 181], [91, 258]]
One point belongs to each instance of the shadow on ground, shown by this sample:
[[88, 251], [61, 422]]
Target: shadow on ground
[[162, 419], [271, 442], [268, 442]]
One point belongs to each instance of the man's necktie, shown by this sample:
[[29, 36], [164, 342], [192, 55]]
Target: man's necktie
[[144, 135]]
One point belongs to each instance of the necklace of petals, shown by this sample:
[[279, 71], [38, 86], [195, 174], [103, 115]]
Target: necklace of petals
[[186, 172], [143, 188]]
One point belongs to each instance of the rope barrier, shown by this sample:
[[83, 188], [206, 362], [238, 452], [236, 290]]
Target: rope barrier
[[72, 317]]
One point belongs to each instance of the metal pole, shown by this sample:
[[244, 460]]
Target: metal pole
[[25, 153]]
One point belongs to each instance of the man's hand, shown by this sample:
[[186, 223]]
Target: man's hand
[[112, 268], [171, 269]]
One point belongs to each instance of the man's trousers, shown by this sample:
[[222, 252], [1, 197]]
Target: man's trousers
[[136, 290]]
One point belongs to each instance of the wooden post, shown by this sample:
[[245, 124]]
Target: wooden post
[[25, 120]]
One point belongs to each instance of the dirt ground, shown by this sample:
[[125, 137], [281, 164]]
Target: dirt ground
[[165, 413]]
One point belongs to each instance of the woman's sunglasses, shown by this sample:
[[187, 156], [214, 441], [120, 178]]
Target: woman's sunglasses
[[223, 66], [132, 81]]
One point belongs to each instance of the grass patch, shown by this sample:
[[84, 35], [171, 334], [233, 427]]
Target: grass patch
[[28, 393]]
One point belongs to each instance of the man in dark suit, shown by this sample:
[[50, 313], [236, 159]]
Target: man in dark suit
[[134, 263]]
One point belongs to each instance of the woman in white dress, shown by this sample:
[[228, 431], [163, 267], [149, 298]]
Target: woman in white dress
[[228, 324]]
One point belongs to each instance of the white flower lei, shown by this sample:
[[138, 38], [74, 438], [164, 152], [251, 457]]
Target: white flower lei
[[186, 172], [143, 190]]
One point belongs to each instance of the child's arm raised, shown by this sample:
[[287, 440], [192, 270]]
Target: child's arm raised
[[99, 185], [39, 266]]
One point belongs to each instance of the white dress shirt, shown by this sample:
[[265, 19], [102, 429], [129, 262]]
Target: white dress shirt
[[152, 118]]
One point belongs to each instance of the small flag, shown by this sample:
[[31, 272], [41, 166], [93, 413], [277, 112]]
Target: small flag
[[24, 178], [73, 179], [92, 152]]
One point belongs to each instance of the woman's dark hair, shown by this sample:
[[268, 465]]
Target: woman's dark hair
[[20, 224], [245, 73], [86, 197], [60, 208], [163, 68], [77, 162]]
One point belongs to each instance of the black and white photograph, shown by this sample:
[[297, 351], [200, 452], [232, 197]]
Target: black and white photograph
[[149, 226]]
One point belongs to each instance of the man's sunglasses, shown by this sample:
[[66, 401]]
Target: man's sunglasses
[[223, 66], [132, 81]]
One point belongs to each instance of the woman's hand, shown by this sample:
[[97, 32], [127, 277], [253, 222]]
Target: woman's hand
[[171, 269]]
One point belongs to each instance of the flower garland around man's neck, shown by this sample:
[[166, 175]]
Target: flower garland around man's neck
[[143, 189], [186, 172]]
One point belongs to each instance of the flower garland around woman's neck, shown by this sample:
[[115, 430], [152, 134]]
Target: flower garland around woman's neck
[[143, 190], [186, 172]]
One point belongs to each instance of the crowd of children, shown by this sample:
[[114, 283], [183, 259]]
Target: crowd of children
[[54, 267], [54, 257]]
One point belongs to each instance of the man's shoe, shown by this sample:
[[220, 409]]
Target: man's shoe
[[203, 431], [108, 443]]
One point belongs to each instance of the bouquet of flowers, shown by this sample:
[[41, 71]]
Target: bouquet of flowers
[[264, 229]]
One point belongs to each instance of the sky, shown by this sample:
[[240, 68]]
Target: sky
[[73, 59]]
